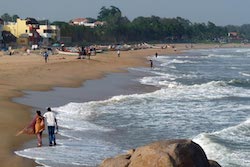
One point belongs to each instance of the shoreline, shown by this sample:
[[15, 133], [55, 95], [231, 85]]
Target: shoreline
[[31, 73]]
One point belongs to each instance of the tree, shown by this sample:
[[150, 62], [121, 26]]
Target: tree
[[119, 29], [115, 29], [6, 17], [107, 13], [15, 17], [91, 20]]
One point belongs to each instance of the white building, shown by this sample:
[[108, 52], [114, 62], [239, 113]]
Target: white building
[[79, 21], [49, 33], [85, 22]]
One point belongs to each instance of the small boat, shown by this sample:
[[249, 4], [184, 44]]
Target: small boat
[[70, 53]]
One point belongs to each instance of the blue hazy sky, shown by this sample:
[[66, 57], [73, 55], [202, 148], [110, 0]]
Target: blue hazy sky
[[220, 12]]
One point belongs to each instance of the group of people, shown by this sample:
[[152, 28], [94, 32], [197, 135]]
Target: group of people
[[37, 126], [86, 51]]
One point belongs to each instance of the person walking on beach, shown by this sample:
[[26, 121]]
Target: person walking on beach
[[118, 53], [88, 52], [156, 54], [46, 55], [51, 124], [36, 126]]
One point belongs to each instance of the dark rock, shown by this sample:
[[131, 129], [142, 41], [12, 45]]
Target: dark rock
[[168, 153], [119, 161], [213, 163]]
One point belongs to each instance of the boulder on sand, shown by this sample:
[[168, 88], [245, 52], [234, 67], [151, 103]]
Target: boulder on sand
[[167, 153]]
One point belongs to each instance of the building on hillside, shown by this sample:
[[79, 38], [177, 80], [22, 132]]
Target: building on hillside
[[25, 30], [85, 22], [49, 33], [79, 21], [234, 37]]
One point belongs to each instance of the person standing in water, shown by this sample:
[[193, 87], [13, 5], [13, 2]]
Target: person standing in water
[[151, 63], [52, 125], [156, 54]]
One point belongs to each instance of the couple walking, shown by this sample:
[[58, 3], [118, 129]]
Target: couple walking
[[37, 126], [52, 124]]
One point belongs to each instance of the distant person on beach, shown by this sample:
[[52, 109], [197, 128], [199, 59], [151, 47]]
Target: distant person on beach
[[36, 126], [52, 125], [156, 54], [118, 53], [62, 47], [151, 63], [46, 55], [28, 51], [88, 52]]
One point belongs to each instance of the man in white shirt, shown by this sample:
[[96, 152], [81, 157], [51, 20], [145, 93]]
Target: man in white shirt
[[52, 124]]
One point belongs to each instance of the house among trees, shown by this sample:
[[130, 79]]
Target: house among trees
[[234, 37], [79, 21], [86, 22]]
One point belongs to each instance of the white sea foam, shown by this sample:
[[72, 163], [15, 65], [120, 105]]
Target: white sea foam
[[159, 80], [220, 55], [178, 61], [229, 146], [210, 90], [243, 50], [245, 74], [71, 153], [234, 68]]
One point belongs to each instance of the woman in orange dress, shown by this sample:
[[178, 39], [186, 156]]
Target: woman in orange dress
[[36, 126], [39, 127]]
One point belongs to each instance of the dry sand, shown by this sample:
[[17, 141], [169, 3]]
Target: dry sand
[[29, 72]]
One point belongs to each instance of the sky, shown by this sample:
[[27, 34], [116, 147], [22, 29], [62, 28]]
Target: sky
[[220, 12]]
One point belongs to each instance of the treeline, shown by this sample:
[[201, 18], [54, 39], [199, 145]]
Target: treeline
[[119, 29]]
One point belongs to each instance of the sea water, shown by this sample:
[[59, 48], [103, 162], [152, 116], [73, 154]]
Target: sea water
[[202, 95]]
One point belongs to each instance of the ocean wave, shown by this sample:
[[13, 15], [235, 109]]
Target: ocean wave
[[75, 116], [178, 61], [164, 80], [220, 55], [212, 89], [245, 74], [239, 82], [234, 68], [242, 50], [230, 146]]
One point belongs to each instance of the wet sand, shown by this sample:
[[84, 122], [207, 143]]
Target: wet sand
[[21, 72]]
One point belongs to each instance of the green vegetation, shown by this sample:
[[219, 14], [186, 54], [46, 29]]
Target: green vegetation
[[7, 17], [119, 29]]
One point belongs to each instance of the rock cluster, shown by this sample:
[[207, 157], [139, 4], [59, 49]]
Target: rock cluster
[[167, 153]]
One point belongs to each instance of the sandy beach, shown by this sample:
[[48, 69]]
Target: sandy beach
[[21, 72]]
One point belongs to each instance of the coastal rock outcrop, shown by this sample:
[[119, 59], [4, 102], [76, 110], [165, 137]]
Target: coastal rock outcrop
[[167, 153]]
